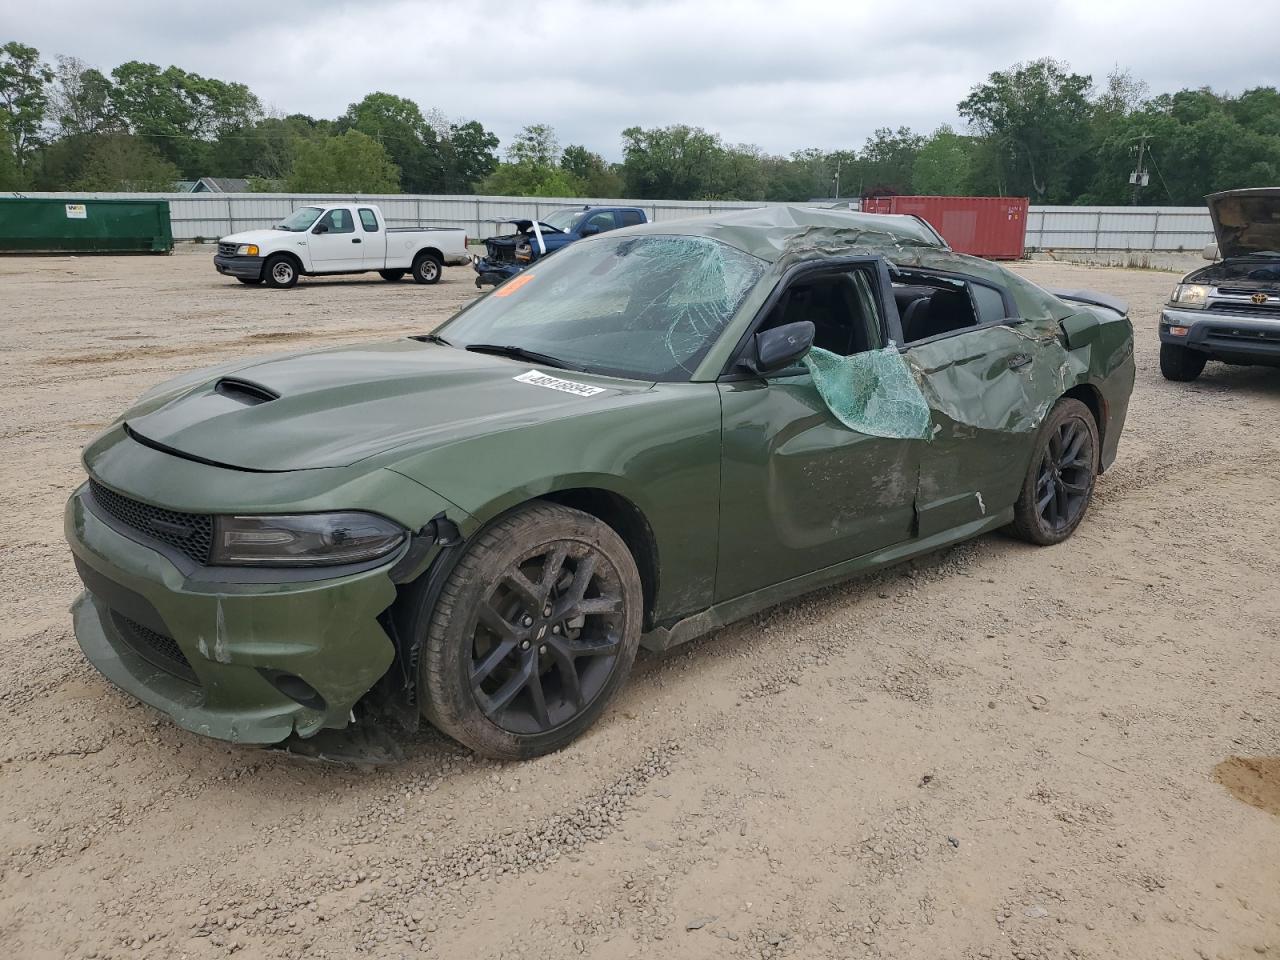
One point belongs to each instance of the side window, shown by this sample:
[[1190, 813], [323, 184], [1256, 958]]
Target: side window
[[990, 303], [933, 305], [339, 221], [368, 220], [600, 222], [842, 307], [631, 218]]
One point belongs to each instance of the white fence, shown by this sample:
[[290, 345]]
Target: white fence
[[207, 216]]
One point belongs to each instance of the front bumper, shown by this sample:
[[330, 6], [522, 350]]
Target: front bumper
[[495, 271], [247, 267], [212, 656], [1231, 337]]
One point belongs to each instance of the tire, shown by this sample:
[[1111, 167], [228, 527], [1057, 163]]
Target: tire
[[1180, 363], [527, 665], [251, 281], [280, 272], [427, 268], [391, 276], [1059, 484]]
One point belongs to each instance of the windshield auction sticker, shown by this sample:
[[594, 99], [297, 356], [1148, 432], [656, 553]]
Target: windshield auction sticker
[[540, 379]]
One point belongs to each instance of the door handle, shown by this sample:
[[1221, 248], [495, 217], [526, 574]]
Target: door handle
[[1019, 360], [356, 240]]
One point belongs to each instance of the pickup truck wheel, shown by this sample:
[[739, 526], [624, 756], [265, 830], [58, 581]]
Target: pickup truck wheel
[[391, 276], [1179, 363], [427, 268], [532, 634], [280, 271], [1059, 483]]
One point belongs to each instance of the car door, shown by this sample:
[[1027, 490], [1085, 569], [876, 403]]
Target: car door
[[602, 221], [976, 379], [374, 239], [334, 243], [799, 490]]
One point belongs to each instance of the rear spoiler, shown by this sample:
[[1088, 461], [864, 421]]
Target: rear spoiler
[[1093, 298]]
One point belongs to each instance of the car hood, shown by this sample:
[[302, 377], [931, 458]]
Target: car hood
[[255, 236], [1246, 221], [336, 407]]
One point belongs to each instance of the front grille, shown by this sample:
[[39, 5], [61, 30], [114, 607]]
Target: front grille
[[155, 648], [1246, 334], [191, 533], [1267, 309], [227, 249]]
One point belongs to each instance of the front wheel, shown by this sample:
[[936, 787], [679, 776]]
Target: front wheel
[[391, 276], [532, 634], [427, 268], [1059, 485], [1180, 363], [280, 272]]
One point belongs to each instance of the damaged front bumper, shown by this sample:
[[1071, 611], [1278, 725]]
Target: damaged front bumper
[[1232, 337], [245, 662], [494, 272]]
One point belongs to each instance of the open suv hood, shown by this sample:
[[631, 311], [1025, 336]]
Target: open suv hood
[[334, 407], [1246, 221]]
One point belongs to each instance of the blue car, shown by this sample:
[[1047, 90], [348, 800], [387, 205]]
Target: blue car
[[509, 254]]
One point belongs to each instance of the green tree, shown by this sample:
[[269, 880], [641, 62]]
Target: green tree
[[80, 100], [120, 161], [1037, 114], [594, 177], [350, 162], [536, 144], [24, 79], [678, 162], [943, 167], [887, 161], [468, 157], [398, 125], [526, 179]]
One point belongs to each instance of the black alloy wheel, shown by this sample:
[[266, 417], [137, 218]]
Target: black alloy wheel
[[533, 631], [1059, 484]]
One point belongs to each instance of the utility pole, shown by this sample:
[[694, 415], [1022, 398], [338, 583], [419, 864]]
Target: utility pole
[[1139, 178], [839, 160]]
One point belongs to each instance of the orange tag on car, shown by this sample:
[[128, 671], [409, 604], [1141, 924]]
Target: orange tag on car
[[512, 285]]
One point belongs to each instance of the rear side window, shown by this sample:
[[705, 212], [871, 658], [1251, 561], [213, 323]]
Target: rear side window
[[990, 303], [368, 220], [632, 217]]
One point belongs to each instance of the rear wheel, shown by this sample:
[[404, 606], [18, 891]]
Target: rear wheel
[[427, 268], [280, 271], [532, 634], [1181, 363], [1059, 484], [391, 276]]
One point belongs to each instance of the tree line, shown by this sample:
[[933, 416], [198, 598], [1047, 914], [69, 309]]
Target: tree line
[[1036, 129]]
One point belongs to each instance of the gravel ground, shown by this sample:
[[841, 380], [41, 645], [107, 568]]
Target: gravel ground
[[997, 751]]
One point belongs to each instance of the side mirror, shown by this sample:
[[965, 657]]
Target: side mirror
[[1210, 251], [780, 347], [589, 231], [320, 228]]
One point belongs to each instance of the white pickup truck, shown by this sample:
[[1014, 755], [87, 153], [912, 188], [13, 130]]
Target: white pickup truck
[[338, 238]]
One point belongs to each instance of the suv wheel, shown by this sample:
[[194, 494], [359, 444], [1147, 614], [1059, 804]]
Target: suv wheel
[[533, 632], [1180, 363]]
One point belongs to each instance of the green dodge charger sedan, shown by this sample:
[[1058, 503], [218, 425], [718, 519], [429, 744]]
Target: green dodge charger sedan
[[653, 433]]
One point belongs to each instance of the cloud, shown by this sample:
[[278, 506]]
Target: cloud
[[781, 76]]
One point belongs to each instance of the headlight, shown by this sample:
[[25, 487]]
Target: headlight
[[1190, 295], [303, 540], [247, 250]]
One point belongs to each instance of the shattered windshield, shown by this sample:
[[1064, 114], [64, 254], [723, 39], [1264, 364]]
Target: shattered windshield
[[562, 219], [647, 307], [301, 219]]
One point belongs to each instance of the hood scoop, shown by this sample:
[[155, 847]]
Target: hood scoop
[[245, 391]]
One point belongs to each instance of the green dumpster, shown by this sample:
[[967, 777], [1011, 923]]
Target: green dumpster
[[61, 225]]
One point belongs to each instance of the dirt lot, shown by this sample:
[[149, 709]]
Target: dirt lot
[[998, 751]]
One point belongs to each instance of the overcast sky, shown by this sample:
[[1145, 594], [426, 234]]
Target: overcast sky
[[783, 75]]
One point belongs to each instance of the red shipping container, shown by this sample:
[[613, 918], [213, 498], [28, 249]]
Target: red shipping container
[[991, 227]]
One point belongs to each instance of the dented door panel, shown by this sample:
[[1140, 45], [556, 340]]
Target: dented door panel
[[801, 491]]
